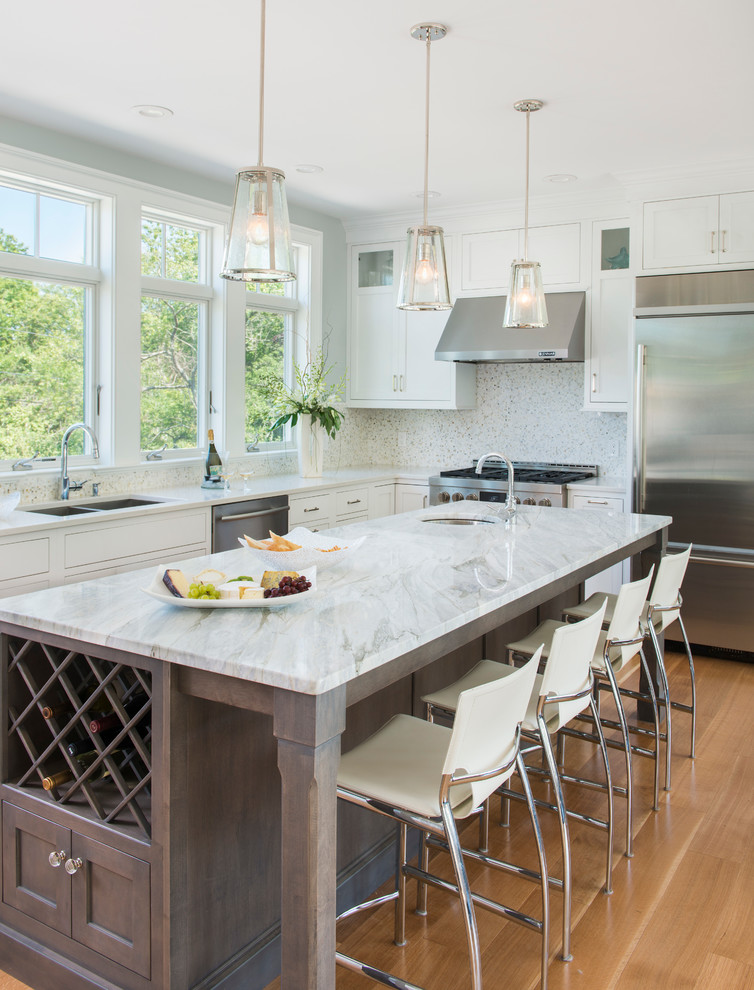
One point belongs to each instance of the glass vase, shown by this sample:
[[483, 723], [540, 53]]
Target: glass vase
[[311, 447]]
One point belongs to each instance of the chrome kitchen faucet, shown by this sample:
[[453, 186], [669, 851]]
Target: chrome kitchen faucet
[[66, 485], [510, 502]]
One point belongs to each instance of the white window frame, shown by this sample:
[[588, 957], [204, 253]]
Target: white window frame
[[303, 304], [89, 277], [201, 292], [115, 275]]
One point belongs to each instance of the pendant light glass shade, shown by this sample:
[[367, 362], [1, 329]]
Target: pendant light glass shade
[[258, 248], [424, 279], [525, 307], [259, 242]]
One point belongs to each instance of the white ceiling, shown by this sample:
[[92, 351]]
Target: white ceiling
[[640, 85]]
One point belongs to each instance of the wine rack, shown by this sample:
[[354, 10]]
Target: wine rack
[[55, 697]]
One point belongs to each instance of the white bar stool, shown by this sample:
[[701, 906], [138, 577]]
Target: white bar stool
[[561, 693], [428, 776], [662, 609], [616, 647]]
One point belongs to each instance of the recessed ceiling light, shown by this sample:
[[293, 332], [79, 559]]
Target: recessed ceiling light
[[309, 168], [431, 194], [149, 110], [561, 178]]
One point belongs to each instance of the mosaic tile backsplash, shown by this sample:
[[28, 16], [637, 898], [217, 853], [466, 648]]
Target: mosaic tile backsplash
[[529, 412]]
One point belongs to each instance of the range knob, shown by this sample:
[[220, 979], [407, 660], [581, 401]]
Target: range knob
[[472, 497], [443, 497], [529, 501], [545, 501], [457, 497], [518, 500]]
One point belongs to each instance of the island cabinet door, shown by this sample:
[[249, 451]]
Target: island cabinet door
[[110, 903], [30, 883]]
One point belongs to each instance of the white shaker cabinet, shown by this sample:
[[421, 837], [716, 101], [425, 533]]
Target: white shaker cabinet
[[608, 358], [605, 500], [487, 256], [699, 231], [410, 497], [391, 352]]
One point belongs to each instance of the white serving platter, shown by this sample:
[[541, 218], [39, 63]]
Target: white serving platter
[[316, 550], [157, 589]]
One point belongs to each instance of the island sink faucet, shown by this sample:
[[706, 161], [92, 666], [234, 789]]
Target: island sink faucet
[[510, 502], [66, 485]]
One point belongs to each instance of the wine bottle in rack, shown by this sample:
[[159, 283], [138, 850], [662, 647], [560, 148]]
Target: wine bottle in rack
[[83, 744], [62, 708], [112, 720], [55, 780]]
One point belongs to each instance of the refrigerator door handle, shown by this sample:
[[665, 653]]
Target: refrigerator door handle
[[640, 454]]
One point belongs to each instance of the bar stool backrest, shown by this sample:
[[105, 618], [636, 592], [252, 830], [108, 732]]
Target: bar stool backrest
[[485, 731], [670, 576], [568, 670], [624, 624]]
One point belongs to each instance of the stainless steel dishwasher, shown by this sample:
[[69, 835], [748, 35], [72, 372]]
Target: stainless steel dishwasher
[[253, 517]]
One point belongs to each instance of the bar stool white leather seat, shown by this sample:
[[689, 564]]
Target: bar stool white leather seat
[[663, 608], [616, 646], [561, 693], [427, 775]]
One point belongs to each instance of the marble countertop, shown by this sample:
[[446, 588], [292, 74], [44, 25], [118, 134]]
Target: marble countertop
[[410, 583], [192, 496]]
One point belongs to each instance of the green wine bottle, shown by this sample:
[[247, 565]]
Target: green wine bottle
[[213, 466]]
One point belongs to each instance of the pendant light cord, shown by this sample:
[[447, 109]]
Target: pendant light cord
[[526, 195], [426, 132], [261, 80]]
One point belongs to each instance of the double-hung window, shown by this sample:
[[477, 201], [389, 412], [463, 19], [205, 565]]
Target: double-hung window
[[48, 305], [282, 329], [175, 311]]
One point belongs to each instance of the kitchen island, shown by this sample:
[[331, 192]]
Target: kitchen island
[[185, 874]]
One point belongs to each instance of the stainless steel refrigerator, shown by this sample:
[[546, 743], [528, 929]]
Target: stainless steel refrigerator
[[694, 441]]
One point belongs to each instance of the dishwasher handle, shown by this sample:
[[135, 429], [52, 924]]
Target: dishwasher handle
[[271, 511]]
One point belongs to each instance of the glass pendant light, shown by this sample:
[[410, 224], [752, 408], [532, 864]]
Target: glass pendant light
[[424, 279], [259, 240], [525, 306]]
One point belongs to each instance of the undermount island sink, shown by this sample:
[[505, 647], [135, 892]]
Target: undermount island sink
[[462, 520], [99, 505]]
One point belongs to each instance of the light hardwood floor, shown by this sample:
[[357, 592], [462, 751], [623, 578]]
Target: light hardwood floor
[[680, 915]]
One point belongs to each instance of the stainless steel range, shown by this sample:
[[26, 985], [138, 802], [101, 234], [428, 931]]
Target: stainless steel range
[[535, 484]]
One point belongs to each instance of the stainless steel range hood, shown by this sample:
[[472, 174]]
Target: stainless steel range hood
[[474, 332]]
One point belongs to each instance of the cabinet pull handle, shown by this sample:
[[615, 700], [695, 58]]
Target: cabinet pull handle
[[353, 501], [57, 858], [594, 381], [424, 501], [712, 243], [395, 383], [597, 501], [314, 509], [73, 865], [401, 381], [723, 248]]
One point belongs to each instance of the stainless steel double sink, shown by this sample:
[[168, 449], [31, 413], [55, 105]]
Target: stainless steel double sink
[[97, 505]]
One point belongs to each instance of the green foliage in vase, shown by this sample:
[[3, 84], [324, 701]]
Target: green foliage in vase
[[312, 394]]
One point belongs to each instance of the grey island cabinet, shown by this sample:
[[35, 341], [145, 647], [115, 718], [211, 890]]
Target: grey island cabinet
[[188, 835]]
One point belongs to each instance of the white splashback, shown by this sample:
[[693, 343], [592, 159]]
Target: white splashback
[[531, 412]]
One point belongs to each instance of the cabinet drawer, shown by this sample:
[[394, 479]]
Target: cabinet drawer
[[352, 502], [597, 502], [24, 558], [134, 538], [312, 508]]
